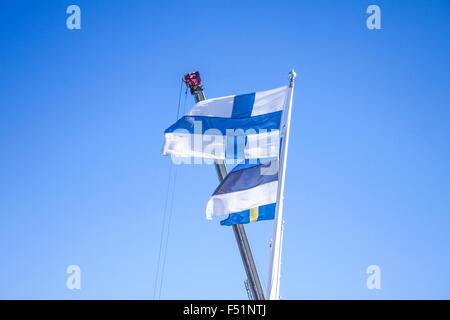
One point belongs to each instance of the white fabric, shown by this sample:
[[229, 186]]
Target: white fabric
[[232, 202], [269, 101], [262, 145], [217, 107], [179, 144], [265, 102]]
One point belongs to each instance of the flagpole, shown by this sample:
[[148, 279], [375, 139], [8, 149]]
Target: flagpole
[[273, 284], [238, 229]]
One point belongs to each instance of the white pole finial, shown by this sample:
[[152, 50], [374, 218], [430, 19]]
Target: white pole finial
[[292, 74]]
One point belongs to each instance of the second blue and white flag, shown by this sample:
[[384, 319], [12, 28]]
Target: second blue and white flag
[[245, 189]]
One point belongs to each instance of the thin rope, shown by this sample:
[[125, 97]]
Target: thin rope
[[184, 104], [162, 233], [167, 235], [161, 241], [170, 218]]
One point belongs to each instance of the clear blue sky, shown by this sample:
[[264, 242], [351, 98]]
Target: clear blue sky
[[82, 115]]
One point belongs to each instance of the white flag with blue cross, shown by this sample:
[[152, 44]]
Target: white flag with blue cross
[[211, 127]]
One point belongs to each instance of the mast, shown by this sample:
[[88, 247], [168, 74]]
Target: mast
[[193, 81], [273, 284]]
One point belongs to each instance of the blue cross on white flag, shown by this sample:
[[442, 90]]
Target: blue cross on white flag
[[205, 131]]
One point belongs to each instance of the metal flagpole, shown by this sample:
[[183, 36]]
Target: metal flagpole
[[193, 81], [273, 285]]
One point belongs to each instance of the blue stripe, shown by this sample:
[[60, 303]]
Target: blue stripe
[[245, 179], [269, 121], [242, 217], [266, 212], [243, 105], [248, 163]]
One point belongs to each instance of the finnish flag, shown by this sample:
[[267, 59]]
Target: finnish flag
[[212, 128], [248, 193]]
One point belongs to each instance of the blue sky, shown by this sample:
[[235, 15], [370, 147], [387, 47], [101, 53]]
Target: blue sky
[[82, 116]]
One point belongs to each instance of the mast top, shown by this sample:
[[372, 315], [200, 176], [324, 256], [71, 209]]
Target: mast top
[[292, 76], [193, 81]]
